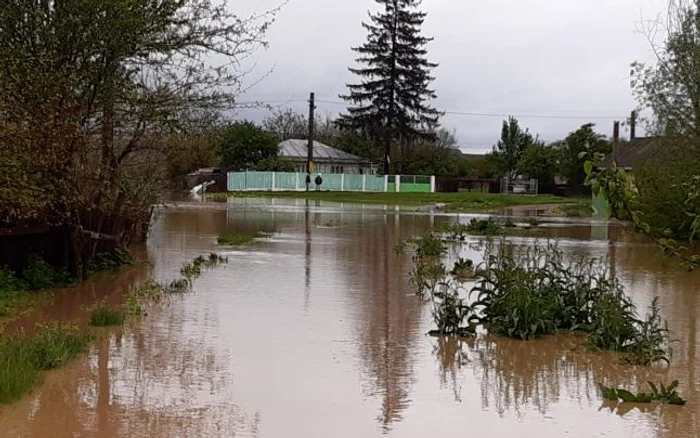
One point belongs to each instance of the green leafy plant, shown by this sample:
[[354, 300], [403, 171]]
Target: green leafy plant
[[463, 269], [41, 275], [240, 238], [23, 358], [429, 246], [660, 394], [107, 316], [451, 313]]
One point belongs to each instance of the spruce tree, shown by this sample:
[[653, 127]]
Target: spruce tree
[[391, 102]]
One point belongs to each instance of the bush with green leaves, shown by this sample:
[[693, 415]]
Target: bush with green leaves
[[41, 275], [533, 291]]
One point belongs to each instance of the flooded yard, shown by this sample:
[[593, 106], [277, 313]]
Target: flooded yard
[[315, 332]]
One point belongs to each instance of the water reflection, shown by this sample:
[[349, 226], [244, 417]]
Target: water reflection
[[315, 332]]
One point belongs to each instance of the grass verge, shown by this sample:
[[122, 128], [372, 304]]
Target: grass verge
[[455, 202], [22, 359]]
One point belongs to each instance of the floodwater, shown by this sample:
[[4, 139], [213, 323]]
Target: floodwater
[[315, 333]]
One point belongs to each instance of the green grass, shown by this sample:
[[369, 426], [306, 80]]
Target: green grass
[[22, 359], [456, 202], [239, 238], [579, 209], [107, 316]]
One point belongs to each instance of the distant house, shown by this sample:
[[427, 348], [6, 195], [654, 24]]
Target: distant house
[[635, 152], [326, 158]]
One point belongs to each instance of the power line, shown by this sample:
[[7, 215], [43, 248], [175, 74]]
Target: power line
[[463, 113]]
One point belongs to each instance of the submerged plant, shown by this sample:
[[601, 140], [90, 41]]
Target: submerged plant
[[23, 358], [451, 313], [651, 341], [429, 245], [660, 394], [463, 269], [529, 292], [107, 316], [239, 238]]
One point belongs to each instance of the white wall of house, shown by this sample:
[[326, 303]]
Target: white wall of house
[[348, 169]]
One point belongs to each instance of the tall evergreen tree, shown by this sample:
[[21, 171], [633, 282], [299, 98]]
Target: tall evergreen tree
[[391, 102]]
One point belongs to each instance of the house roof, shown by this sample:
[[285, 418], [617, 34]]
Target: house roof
[[298, 150], [635, 151]]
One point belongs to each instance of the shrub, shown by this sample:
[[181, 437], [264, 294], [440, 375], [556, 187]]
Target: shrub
[[118, 257], [41, 275]]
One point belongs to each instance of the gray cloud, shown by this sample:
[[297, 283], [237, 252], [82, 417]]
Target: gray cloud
[[563, 58]]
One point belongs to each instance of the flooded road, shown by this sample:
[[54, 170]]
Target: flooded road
[[315, 333]]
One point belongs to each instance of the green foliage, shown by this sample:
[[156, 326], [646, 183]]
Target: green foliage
[[539, 161], [388, 105], [576, 147], [9, 282], [153, 292], [612, 325], [660, 393], [41, 275], [239, 238], [463, 269], [451, 313], [107, 316], [101, 262], [245, 145], [430, 245], [580, 209], [526, 293], [511, 147], [22, 359], [650, 342], [274, 164], [662, 202], [135, 69]]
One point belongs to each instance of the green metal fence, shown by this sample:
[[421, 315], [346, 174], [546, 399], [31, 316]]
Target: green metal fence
[[282, 181]]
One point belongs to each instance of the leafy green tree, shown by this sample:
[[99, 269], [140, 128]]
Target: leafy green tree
[[577, 145], [390, 105], [510, 148], [245, 145], [540, 161], [91, 91], [671, 87]]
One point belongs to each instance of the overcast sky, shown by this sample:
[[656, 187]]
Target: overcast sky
[[566, 58]]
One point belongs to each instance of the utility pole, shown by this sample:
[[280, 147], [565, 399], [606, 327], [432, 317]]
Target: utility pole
[[310, 160], [616, 141]]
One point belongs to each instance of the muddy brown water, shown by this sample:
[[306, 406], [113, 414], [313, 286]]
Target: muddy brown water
[[315, 333]]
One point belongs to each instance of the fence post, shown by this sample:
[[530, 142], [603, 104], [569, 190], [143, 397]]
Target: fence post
[[364, 182], [432, 184], [342, 182], [273, 180], [397, 181], [386, 183], [245, 181]]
